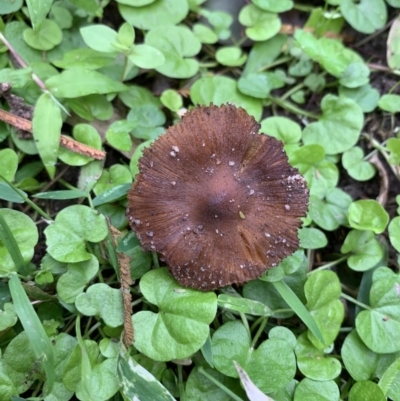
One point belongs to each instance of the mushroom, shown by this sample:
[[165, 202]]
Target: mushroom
[[216, 199]]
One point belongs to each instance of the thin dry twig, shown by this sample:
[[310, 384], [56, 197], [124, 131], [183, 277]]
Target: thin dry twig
[[65, 141], [126, 282], [384, 183]]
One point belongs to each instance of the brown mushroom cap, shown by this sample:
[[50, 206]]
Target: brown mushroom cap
[[217, 200]]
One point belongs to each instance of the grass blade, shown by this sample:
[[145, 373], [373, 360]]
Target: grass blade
[[112, 194], [37, 336], [62, 194], [298, 307]]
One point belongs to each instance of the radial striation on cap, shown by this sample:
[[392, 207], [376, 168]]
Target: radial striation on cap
[[216, 199]]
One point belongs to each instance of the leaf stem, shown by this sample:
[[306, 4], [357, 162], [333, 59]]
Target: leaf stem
[[329, 265], [259, 332], [155, 260], [354, 301], [292, 108], [277, 62], [208, 65], [180, 384], [245, 323], [27, 200], [292, 90], [219, 384]]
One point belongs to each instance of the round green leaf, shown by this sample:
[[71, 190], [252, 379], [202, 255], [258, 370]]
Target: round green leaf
[[100, 37], [322, 291], [8, 316], [117, 174], [155, 14], [230, 56], [260, 84], [180, 327], [137, 154], [72, 228], [118, 136], [313, 362], [61, 16], [10, 6], [274, 6], [283, 333], [378, 326], [394, 233], [200, 388], [312, 238], [230, 342], [91, 303], [146, 56], [8, 164], [321, 50], [329, 213], [365, 96], [288, 131], [18, 360], [339, 127], [321, 175], [25, 233], [356, 167], [221, 22], [392, 53], [393, 146], [368, 214], [205, 34], [288, 266], [145, 112], [358, 359], [172, 100], [365, 16], [45, 36], [366, 250], [85, 134], [356, 74], [366, 390], [219, 90], [311, 390], [103, 381], [271, 366], [261, 25], [389, 102], [74, 281], [178, 44]]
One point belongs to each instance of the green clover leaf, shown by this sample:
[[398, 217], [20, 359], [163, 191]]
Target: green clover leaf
[[271, 366], [103, 301], [322, 291], [378, 326], [74, 225], [25, 233], [180, 327], [339, 127]]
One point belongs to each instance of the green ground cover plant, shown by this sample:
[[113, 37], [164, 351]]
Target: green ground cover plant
[[85, 86]]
